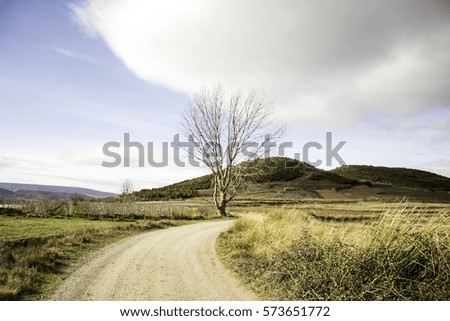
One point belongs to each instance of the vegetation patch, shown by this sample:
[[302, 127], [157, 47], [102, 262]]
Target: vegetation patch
[[181, 190], [404, 177], [17, 228], [292, 255]]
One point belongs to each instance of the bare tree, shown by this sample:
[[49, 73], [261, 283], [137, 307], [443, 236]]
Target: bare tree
[[228, 129], [126, 188]]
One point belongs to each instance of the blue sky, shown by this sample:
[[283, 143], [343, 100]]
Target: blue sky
[[77, 74]]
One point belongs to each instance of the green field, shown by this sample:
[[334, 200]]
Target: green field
[[14, 228]]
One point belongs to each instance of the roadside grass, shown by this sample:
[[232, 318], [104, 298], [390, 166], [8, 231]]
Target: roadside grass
[[35, 253], [294, 254]]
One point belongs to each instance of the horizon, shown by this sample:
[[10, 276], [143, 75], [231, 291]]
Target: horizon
[[118, 192], [76, 75]]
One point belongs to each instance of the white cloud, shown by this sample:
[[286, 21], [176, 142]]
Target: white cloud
[[74, 55], [324, 62], [380, 69]]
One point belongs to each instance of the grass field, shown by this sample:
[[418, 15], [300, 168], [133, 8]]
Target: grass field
[[401, 252], [315, 250], [15, 228]]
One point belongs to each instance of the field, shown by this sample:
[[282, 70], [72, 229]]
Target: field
[[19, 228], [349, 251], [316, 249], [41, 241]]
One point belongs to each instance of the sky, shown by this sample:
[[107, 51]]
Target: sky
[[75, 75]]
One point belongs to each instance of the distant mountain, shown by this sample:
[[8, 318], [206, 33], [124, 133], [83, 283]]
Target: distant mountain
[[400, 177], [35, 191], [40, 195], [5, 193]]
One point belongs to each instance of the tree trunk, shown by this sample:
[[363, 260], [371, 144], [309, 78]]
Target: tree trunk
[[221, 208], [220, 201]]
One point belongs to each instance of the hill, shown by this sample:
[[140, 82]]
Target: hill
[[399, 177], [283, 181], [36, 191], [5, 193], [41, 195], [260, 175]]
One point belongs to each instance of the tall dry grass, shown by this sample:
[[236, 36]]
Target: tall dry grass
[[292, 255]]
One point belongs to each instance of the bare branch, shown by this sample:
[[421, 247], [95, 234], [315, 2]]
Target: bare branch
[[224, 125]]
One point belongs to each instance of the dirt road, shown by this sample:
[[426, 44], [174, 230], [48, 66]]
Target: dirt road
[[178, 263]]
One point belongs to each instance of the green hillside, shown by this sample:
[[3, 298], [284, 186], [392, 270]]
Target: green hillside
[[181, 190], [286, 178], [400, 177], [255, 172], [283, 169]]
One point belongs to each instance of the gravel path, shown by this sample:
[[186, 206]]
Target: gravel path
[[178, 263]]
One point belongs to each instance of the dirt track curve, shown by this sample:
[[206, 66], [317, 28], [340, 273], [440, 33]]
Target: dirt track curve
[[178, 263]]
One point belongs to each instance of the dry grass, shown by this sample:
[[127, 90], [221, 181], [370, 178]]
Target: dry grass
[[293, 255]]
